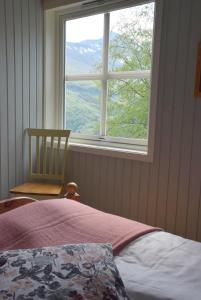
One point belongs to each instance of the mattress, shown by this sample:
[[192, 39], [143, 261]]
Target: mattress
[[161, 265]]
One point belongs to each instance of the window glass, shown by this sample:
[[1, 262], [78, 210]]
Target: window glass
[[127, 108], [82, 106], [84, 43], [107, 81], [131, 31]]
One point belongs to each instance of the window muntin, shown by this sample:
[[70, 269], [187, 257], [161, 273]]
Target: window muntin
[[110, 74]]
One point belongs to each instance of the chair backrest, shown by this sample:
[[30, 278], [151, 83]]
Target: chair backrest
[[47, 153]]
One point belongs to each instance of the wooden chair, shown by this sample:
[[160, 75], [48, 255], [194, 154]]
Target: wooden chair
[[47, 161]]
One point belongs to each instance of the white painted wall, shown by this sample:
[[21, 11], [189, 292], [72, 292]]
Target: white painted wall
[[21, 82]]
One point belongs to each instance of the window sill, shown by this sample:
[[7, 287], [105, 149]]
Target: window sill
[[133, 154], [111, 152]]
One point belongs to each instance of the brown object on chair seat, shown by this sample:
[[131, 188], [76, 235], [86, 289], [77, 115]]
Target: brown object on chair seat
[[38, 188]]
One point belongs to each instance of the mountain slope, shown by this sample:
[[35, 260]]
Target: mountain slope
[[84, 56]]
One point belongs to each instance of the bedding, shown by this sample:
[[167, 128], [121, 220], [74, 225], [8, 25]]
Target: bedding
[[82, 271], [62, 221], [153, 264], [161, 265]]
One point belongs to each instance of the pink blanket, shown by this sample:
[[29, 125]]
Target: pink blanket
[[61, 221]]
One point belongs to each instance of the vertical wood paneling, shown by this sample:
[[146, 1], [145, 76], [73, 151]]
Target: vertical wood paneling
[[192, 207], [154, 167], [70, 165], [33, 68], [179, 94], [87, 183], [109, 192], [39, 64], [11, 90], [117, 188], [199, 220], [187, 129], [195, 171], [125, 187], [195, 179], [20, 84], [143, 192], [101, 176], [82, 172], [3, 101], [91, 181], [135, 183], [17, 11], [168, 96], [25, 79], [166, 192]]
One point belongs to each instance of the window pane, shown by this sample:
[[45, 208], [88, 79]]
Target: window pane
[[127, 108], [131, 32], [84, 43], [82, 106]]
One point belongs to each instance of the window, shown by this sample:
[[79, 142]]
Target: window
[[106, 76]]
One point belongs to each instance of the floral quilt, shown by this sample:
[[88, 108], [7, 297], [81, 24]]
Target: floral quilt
[[84, 271]]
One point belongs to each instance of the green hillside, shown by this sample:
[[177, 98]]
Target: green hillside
[[82, 107]]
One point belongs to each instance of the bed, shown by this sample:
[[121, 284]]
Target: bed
[[153, 264]]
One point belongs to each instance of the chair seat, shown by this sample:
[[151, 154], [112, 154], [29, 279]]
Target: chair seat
[[38, 189]]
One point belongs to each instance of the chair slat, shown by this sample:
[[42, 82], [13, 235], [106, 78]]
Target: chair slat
[[51, 156], [65, 157], [44, 154], [57, 156], [38, 154], [49, 159], [30, 157]]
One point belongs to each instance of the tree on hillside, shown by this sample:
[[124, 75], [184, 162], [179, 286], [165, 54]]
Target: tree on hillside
[[127, 114]]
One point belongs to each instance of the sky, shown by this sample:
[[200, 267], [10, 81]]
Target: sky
[[92, 27], [82, 29]]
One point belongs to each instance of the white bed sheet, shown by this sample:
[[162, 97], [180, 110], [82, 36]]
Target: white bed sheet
[[161, 265]]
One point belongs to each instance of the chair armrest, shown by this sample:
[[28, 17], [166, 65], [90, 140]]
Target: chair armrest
[[12, 203]]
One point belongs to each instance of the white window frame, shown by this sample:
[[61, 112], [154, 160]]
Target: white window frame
[[117, 147]]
